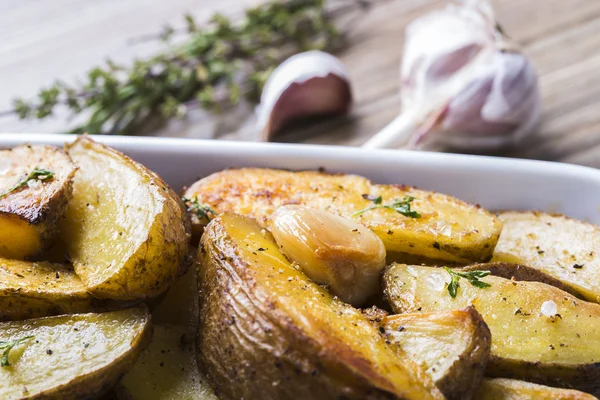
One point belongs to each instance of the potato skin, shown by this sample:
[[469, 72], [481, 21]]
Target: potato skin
[[258, 192], [58, 365], [29, 216], [562, 350], [421, 334], [126, 231], [510, 389], [266, 331]]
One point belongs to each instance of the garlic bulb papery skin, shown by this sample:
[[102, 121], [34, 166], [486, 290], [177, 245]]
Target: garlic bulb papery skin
[[312, 83], [331, 250], [464, 85]]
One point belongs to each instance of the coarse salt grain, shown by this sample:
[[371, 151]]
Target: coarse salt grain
[[549, 308]]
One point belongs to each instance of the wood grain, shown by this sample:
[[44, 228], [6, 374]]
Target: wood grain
[[43, 41]]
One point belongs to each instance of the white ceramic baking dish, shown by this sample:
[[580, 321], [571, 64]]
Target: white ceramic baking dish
[[495, 183]]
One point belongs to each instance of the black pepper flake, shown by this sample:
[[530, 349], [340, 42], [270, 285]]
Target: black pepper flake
[[551, 347], [578, 266], [354, 230], [162, 364], [381, 329], [261, 249], [400, 329], [49, 352], [57, 275], [436, 245], [86, 345], [390, 232], [419, 309]]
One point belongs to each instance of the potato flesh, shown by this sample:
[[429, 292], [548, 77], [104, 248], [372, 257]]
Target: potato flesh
[[28, 216], [442, 341], [512, 310], [124, 231], [36, 289], [331, 250], [564, 248], [448, 229], [511, 389], [68, 349], [167, 369], [295, 312]]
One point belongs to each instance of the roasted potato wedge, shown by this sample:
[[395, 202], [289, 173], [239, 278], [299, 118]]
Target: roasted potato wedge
[[39, 289], [452, 346], [125, 230], [539, 333], [166, 370], [71, 356], [519, 273], [448, 229], [564, 248], [29, 212], [266, 331], [510, 389]]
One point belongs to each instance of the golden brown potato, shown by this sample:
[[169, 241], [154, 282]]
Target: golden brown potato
[[564, 248], [35, 186], [539, 333], [125, 230], [447, 229], [71, 356], [39, 289], [510, 389], [519, 273], [331, 250], [452, 346], [266, 331], [166, 370]]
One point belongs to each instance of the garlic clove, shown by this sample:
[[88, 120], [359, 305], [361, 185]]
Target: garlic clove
[[331, 250], [312, 83], [464, 85]]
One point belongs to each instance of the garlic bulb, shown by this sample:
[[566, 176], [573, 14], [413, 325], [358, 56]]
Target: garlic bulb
[[331, 250], [464, 85], [307, 84]]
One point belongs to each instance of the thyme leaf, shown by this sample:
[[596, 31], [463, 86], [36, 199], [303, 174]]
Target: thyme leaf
[[7, 346], [471, 276], [37, 174], [401, 206], [202, 211]]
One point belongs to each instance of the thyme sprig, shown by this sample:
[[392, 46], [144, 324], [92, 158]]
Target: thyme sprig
[[471, 276], [219, 65], [401, 206], [7, 346], [37, 174], [200, 210]]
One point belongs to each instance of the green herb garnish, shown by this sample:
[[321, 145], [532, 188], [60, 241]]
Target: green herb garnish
[[202, 211], [471, 276], [401, 206], [7, 347], [36, 175]]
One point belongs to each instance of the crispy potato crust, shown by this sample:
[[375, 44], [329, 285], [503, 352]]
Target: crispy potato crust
[[29, 215], [266, 331], [528, 341], [452, 346], [448, 230]]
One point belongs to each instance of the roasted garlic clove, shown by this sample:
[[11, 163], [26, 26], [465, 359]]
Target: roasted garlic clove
[[331, 250]]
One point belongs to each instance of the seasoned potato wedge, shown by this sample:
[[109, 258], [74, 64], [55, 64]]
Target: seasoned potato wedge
[[448, 229], [510, 389], [266, 331], [71, 356], [166, 370], [539, 332], [564, 248], [452, 346], [519, 273], [125, 230], [39, 289], [29, 214]]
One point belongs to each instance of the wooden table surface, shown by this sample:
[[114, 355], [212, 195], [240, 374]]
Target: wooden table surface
[[41, 41]]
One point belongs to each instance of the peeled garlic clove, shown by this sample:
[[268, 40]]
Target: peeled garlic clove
[[312, 83], [331, 250]]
